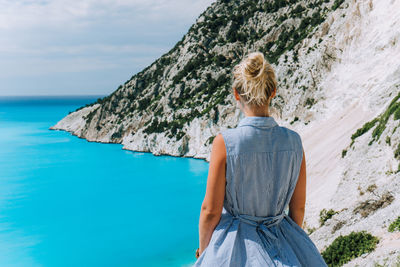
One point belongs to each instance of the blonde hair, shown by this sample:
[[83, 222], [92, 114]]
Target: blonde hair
[[254, 79]]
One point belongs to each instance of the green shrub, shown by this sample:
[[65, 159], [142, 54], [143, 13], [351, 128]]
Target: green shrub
[[210, 140], [310, 102], [179, 135], [90, 116], [294, 120], [345, 248], [85, 106], [282, 18], [275, 5], [156, 126], [397, 152], [195, 63], [143, 103], [397, 113], [325, 215], [395, 226], [298, 9], [337, 4], [118, 134], [365, 128], [383, 118], [388, 140]]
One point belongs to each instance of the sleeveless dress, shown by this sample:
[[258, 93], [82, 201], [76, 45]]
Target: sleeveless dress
[[262, 167]]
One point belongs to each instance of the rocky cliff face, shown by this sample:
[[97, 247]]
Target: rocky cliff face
[[180, 102], [338, 69]]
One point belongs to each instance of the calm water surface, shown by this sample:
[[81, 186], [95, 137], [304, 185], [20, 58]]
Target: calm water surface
[[68, 202]]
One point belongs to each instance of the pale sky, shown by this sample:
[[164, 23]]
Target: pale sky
[[86, 47]]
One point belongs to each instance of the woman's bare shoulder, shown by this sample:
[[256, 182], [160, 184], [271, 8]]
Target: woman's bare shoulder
[[218, 147], [218, 141]]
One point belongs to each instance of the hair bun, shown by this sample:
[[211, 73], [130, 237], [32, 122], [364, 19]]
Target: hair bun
[[254, 78], [255, 65]]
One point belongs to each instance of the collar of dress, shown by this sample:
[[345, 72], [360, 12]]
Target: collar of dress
[[258, 121]]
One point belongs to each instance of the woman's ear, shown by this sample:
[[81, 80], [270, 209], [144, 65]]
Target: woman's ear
[[236, 94], [273, 93]]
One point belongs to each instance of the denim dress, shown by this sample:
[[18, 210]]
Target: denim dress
[[262, 167]]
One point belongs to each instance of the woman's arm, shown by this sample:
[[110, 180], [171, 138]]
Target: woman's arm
[[211, 207], [298, 201]]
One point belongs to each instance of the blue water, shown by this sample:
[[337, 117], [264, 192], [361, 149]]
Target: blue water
[[68, 202]]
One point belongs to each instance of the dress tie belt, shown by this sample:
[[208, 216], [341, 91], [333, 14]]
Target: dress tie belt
[[268, 221], [263, 225]]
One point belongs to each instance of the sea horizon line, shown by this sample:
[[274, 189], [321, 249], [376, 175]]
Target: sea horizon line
[[53, 96]]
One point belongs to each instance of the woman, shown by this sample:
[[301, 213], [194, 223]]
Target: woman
[[256, 170]]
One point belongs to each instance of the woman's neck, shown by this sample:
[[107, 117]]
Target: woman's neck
[[261, 111]]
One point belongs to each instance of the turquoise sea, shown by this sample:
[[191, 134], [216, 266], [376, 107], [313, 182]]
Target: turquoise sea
[[65, 201]]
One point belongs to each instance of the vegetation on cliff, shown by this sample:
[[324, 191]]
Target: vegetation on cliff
[[193, 79]]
